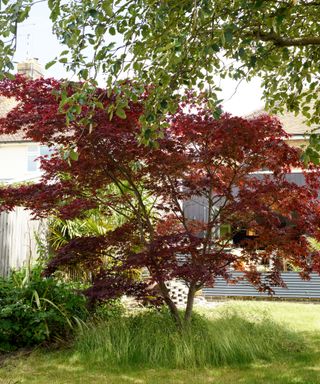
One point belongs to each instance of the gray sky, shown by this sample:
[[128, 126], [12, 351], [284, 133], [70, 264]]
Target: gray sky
[[35, 40]]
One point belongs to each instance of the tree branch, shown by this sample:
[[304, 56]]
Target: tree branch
[[280, 41]]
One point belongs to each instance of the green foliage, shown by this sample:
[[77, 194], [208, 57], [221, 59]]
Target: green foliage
[[178, 45], [34, 310], [112, 309], [94, 224], [314, 244], [152, 339]]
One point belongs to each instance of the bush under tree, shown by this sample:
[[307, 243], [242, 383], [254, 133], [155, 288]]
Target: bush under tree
[[36, 310]]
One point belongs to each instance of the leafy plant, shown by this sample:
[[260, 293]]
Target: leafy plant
[[34, 310], [60, 231], [106, 311]]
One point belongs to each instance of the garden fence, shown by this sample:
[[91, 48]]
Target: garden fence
[[18, 239]]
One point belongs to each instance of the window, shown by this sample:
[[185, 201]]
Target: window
[[45, 151], [34, 151]]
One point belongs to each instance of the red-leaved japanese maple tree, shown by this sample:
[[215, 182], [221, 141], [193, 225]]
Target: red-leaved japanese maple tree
[[198, 157]]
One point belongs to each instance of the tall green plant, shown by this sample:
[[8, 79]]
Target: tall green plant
[[62, 231], [230, 338], [34, 310], [95, 223]]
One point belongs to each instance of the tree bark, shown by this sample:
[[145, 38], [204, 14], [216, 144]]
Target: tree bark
[[281, 41], [171, 305], [190, 301]]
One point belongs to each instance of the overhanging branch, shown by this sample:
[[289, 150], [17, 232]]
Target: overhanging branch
[[288, 42]]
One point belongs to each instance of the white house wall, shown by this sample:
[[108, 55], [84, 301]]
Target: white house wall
[[14, 162]]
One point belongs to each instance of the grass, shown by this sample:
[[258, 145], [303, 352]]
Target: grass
[[231, 337], [284, 337]]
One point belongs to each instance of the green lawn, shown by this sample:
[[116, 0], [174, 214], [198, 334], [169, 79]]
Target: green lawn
[[302, 366]]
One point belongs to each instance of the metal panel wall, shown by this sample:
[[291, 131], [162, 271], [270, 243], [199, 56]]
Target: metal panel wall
[[296, 288], [196, 208]]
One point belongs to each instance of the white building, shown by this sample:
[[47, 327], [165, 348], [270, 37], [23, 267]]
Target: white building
[[18, 163], [18, 155]]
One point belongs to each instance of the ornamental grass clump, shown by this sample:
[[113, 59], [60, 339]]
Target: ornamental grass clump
[[152, 339]]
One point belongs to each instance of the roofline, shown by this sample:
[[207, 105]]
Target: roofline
[[298, 136], [15, 141]]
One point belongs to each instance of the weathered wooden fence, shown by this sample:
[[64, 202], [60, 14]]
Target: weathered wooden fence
[[18, 244], [296, 288]]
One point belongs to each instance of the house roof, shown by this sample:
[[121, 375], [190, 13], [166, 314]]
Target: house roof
[[14, 138], [6, 104], [295, 125], [32, 69], [292, 124]]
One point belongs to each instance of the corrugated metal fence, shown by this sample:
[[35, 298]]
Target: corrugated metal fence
[[18, 245], [296, 288]]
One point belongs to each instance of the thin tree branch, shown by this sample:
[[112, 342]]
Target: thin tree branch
[[280, 41]]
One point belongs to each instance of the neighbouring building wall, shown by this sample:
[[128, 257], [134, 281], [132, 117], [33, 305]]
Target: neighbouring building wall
[[18, 161], [13, 160], [300, 143], [30, 68], [17, 153]]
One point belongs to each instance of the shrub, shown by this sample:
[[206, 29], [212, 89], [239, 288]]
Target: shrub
[[34, 310], [152, 339], [105, 311]]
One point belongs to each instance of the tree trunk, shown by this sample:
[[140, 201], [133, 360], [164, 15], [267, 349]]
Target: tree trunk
[[171, 305], [190, 301]]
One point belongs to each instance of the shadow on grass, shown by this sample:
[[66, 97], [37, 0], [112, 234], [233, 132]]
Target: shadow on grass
[[63, 367], [247, 349]]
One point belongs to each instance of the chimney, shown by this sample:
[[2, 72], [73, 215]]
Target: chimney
[[30, 68]]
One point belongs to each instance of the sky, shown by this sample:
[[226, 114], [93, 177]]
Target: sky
[[35, 40]]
